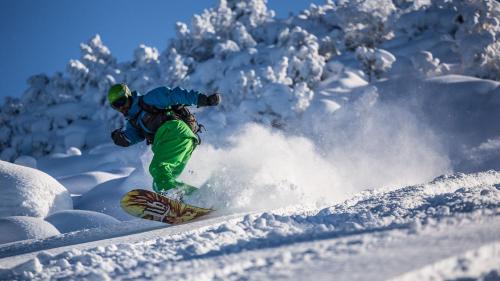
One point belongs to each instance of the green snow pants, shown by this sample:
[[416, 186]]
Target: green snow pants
[[172, 147]]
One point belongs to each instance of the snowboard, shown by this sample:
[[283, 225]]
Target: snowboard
[[150, 205]]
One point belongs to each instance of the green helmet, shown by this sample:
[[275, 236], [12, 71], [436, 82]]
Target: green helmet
[[118, 91]]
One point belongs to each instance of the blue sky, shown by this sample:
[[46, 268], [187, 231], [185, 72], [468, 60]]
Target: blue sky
[[41, 36]]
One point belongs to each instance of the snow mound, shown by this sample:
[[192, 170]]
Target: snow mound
[[105, 197], [81, 183], [30, 192], [73, 220], [18, 228], [27, 161]]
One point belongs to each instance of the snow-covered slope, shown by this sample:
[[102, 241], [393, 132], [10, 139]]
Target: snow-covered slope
[[409, 227], [357, 140]]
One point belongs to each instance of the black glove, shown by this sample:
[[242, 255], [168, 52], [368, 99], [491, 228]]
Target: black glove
[[211, 100], [119, 138]]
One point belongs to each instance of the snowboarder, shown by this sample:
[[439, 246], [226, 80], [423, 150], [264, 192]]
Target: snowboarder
[[160, 118]]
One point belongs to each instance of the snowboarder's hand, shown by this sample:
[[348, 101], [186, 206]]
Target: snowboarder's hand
[[119, 138], [214, 99], [211, 100]]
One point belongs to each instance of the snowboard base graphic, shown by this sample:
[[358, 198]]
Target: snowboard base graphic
[[149, 205]]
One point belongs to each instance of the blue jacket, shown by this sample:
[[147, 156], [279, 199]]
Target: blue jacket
[[161, 97]]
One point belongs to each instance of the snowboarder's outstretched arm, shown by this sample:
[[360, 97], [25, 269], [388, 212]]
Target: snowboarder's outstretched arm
[[163, 97]]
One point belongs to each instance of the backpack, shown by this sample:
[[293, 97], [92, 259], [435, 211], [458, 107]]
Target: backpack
[[156, 117]]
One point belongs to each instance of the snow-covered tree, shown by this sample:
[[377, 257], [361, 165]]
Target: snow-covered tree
[[427, 65], [374, 61], [268, 69], [478, 37], [363, 22], [56, 112]]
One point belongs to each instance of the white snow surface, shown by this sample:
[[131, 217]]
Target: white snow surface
[[30, 192], [408, 227], [357, 140], [73, 220], [17, 228]]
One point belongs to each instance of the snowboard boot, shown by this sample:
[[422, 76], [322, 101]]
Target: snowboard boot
[[179, 192], [174, 194]]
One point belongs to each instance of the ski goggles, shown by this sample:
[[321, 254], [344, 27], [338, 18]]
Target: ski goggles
[[119, 103]]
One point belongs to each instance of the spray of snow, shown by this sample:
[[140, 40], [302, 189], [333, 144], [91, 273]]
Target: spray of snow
[[260, 169], [381, 144], [264, 169]]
